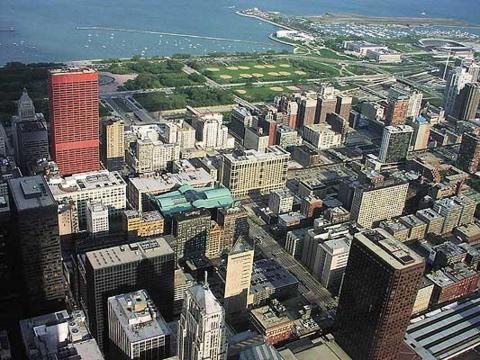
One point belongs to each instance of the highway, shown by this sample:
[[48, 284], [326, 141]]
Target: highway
[[309, 287]]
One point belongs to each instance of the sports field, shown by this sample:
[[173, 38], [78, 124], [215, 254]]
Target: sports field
[[264, 71]]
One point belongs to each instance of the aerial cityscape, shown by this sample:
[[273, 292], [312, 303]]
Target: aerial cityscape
[[220, 179]]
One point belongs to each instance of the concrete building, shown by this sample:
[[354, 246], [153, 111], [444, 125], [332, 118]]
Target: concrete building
[[182, 282], [142, 224], [148, 265], [451, 211], [211, 133], [67, 218], [136, 329], [325, 105], [151, 156], [417, 229], [178, 132], [397, 229], [234, 224], [469, 153], [280, 201], [375, 203], [306, 112], [238, 276], [421, 133], [294, 242], [59, 335], [344, 106], [287, 137], [321, 136], [272, 323], [256, 139], [246, 171], [456, 81], [396, 112], [97, 218], [112, 144], [201, 329], [395, 143], [330, 263], [107, 187], [35, 217], [5, 349], [433, 220], [377, 264], [424, 294]]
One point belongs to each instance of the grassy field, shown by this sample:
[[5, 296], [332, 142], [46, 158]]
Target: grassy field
[[239, 72], [264, 93]]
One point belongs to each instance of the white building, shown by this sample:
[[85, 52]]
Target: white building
[[178, 132], [136, 327], [280, 201], [51, 336], [151, 156], [330, 262], [201, 329], [456, 81], [97, 218], [211, 133], [321, 136], [105, 186]]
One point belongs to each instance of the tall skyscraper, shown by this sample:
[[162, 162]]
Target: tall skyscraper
[[306, 112], [456, 80], [201, 329], [467, 101], [421, 133], [74, 119], [397, 109], [112, 144], [325, 106], [343, 106], [395, 143], [191, 232], [36, 224], [377, 296], [469, 154], [136, 329], [108, 272]]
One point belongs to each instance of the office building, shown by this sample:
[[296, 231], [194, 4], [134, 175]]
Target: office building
[[421, 133], [244, 172], [201, 329], [36, 222], [395, 143], [74, 119], [104, 273], [469, 153], [272, 322], [182, 282], [417, 229], [321, 136], [395, 228], [142, 224], [59, 335], [238, 276], [191, 232], [287, 137], [433, 220], [256, 139], [372, 203], [280, 201], [396, 113], [405, 93], [136, 329], [467, 101], [330, 263], [325, 105], [152, 156], [456, 81], [234, 223], [344, 106], [179, 132], [211, 133], [3, 141], [112, 144], [384, 274], [451, 211], [306, 112], [5, 349], [107, 187], [97, 218], [424, 295]]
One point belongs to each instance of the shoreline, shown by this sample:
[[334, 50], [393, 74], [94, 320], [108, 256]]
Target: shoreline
[[264, 20]]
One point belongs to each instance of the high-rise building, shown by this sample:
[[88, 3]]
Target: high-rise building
[[210, 131], [377, 296], [325, 106], [456, 81], [237, 279], [256, 139], [234, 223], [74, 119], [191, 232], [343, 106], [97, 218], [421, 133], [36, 225], [469, 154], [112, 144], [292, 112], [395, 143], [375, 202], [467, 101], [136, 329], [321, 136], [396, 113], [280, 201], [306, 112], [107, 272], [247, 171], [201, 330]]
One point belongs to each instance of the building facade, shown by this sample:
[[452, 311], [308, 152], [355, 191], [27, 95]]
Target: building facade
[[112, 144]]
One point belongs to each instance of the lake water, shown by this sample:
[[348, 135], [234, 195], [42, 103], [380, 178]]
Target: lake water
[[46, 30]]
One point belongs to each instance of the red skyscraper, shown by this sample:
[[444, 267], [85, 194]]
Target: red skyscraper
[[74, 119]]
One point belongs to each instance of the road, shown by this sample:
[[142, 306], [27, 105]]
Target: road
[[309, 287]]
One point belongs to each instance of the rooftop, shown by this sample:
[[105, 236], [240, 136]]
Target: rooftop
[[30, 193], [153, 215], [166, 182], [84, 182], [385, 246], [253, 155], [447, 332], [451, 275], [205, 300], [132, 252], [271, 315], [411, 220], [267, 273], [138, 316]]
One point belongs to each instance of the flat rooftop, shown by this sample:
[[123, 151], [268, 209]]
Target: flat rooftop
[[267, 273], [132, 252], [166, 182], [85, 182], [450, 275], [138, 317], [30, 193], [385, 246], [253, 155], [447, 332]]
